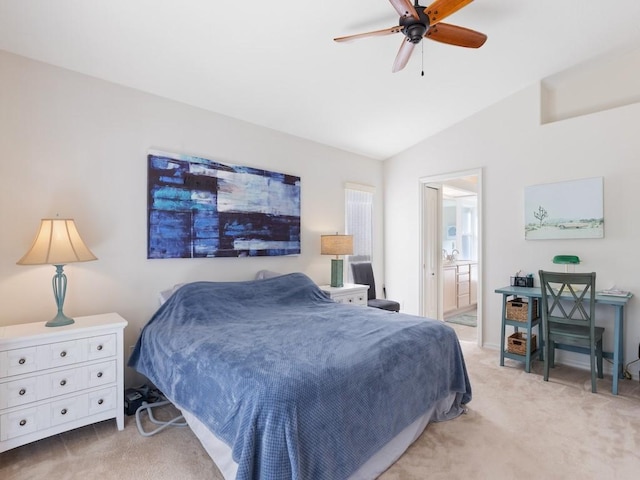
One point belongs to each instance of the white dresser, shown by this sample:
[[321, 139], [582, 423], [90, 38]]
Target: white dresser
[[349, 293], [54, 379]]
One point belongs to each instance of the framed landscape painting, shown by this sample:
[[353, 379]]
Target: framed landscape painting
[[198, 208], [572, 209]]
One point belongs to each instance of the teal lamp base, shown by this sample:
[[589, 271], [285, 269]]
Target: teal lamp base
[[59, 320], [59, 283], [336, 272]]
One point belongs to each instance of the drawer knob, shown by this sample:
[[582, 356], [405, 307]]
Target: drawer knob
[[63, 353], [22, 361], [23, 422], [99, 347], [100, 402], [99, 374], [63, 411], [63, 383], [22, 391]]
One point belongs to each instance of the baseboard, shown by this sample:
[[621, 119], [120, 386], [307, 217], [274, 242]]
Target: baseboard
[[575, 360]]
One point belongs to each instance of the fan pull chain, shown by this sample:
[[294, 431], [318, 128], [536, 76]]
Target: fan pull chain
[[422, 55]]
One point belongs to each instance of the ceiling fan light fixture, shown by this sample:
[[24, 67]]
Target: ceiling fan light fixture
[[415, 32]]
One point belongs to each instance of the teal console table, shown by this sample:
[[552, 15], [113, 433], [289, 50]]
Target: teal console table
[[618, 304]]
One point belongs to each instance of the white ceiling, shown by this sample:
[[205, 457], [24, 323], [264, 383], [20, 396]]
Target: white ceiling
[[275, 63]]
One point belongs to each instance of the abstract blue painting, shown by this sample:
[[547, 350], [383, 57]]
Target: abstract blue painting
[[201, 208]]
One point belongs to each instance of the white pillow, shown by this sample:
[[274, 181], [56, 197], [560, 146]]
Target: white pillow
[[262, 274], [164, 295]]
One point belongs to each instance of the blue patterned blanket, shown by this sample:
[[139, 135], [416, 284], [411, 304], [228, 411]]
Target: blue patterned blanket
[[299, 387]]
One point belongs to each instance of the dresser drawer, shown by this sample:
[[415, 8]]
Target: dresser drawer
[[103, 346], [17, 362], [60, 383], [18, 423], [100, 374], [353, 293], [102, 400], [67, 409], [59, 354], [357, 299], [18, 392]]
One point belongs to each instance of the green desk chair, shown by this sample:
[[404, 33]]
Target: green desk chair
[[568, 308]]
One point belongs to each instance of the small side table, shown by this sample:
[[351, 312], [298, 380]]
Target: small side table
[[532, 320], [349, 293]]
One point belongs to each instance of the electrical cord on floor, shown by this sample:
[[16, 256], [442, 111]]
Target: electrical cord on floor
[[627, 373], [177, 421], [152, 398]]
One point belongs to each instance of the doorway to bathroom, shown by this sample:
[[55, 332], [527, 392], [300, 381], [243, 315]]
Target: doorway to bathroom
[[451, 251]]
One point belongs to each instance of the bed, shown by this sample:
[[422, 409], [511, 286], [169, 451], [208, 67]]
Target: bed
[[280, 382]]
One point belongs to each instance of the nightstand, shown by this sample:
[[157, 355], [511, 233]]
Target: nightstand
[[54, 379], [349, 293]]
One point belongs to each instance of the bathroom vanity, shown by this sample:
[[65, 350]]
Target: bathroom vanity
[[460, 286]]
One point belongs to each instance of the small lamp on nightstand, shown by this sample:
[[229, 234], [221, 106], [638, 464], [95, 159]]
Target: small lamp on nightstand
[[57, 243], [336, 245]]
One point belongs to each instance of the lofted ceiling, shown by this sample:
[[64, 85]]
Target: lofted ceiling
[[275, 63]]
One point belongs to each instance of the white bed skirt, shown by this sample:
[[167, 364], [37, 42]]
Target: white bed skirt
[[220, 452]]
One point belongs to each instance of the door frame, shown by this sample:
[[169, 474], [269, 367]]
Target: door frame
[[437, 181]]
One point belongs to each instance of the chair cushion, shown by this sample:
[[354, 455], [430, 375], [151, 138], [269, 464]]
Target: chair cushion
[[384, 304]]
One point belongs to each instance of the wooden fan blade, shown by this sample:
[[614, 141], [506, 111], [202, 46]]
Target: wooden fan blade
[[386, 31], [441, 9], [404, 8], [406, 49], [455, 35]]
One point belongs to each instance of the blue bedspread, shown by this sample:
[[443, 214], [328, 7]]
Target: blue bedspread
[[300, 387]]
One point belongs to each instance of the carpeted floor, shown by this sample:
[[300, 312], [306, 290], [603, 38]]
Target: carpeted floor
[[517, 426]]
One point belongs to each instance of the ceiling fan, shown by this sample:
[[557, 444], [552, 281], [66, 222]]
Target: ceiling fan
[[417, 22]]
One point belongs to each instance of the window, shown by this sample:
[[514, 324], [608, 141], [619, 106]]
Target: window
[[358, 217]]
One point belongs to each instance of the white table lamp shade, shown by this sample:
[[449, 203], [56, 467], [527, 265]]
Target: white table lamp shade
[[57, 243]]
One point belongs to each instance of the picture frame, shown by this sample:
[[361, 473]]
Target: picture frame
[[564, 210], [201, 208]]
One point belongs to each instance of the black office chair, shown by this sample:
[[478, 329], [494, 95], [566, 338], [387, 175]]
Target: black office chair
[[568, 308], [363, 274]]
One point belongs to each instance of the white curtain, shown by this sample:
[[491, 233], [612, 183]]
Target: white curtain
[[359, 223]]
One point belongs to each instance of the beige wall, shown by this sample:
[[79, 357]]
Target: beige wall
[[513, 149], [76, 146]]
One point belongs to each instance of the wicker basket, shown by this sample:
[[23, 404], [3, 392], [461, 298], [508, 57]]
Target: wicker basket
[[517, 309], [517, 343]]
